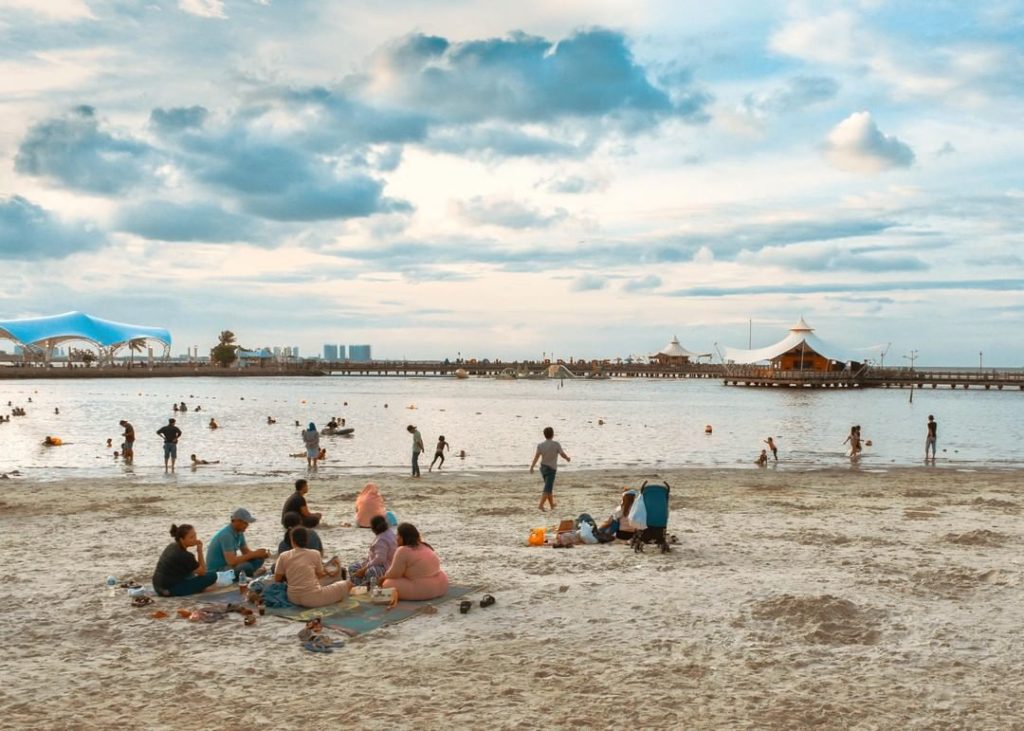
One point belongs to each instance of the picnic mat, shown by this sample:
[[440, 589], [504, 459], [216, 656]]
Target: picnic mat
[[354, 615]]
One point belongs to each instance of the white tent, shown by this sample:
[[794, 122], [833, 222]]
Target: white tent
[[801, 332], [675, 350]]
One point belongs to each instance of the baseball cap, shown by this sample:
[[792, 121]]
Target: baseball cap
[[243, 514]]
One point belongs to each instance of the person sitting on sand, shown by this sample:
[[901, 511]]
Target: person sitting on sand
[[228, 549], [762, 459], [369, 502], [296, 503], [381, 554], [289, 521], [415, 573], [303, 568], [178, 572], [213, 424], [196, 461], [618, 524]]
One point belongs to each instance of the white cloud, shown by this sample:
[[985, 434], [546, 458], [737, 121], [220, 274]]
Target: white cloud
[[203, 8], [56, 10], [856, 144]]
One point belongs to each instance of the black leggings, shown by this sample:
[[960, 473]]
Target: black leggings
[[437, 455]]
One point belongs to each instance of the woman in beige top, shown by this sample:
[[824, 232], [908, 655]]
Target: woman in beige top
[[303, 569]]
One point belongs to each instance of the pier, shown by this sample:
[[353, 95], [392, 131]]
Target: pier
[[871, 377]]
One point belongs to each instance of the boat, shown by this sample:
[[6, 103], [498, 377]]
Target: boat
[[344, 432]]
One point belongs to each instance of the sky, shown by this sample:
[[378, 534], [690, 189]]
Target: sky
[[520, 180]]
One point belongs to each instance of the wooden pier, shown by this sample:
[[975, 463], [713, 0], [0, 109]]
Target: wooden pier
[[868, 377]]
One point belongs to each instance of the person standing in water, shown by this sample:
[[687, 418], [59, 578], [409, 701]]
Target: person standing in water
[[548, 453], [311, 438], [171, 435], [417, 449], [438, 453], [128, 445], [771, 445], [933, 434]]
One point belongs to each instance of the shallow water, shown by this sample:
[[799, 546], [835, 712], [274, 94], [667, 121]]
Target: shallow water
[[647, 424]]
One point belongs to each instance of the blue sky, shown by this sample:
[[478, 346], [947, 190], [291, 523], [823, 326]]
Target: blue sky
[[512, 179]]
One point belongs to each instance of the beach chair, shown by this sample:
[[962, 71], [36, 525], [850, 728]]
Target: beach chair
[[649, 516]]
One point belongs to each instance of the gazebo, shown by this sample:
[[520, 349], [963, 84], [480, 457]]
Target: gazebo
[[43, 334], [676, 354], [801, 350]]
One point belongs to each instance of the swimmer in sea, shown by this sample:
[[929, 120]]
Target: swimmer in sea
[[214, 424], [762, 460], [196, 461]]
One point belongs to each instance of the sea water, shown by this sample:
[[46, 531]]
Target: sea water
[[619, 423]]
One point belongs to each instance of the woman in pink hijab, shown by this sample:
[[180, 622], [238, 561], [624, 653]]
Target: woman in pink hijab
[[368, 504]]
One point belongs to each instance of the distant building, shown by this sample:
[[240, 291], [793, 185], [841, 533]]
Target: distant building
[[676, 354], [800, 350], [330, 353], [295, 351], [359, 353]]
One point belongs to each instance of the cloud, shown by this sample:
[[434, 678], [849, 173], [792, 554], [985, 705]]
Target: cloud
[[204, 8], [830, 257], [798, 93], [642, 284], [508, 213], [354, 196], [589, 283], [493, 140], [168, 121], [576, 184], [946, 149], [856, 144], [984, 285], [28, 231], [74, 151], [169, 221], [525, 79]]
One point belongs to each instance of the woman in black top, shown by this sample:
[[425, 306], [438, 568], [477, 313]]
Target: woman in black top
[[178, 572]]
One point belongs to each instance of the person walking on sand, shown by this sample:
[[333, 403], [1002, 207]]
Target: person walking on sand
[[311, 438], [771, 445], [128, 445], [438, 454], [548, 453], [929, 441], [171, 434], [417, 449]]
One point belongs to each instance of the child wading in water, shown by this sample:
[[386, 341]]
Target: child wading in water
[[771, 445], [548, 452], [438, 453]]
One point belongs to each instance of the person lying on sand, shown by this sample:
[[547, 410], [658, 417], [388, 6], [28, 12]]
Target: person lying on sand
[[178, 572], [196, 461]]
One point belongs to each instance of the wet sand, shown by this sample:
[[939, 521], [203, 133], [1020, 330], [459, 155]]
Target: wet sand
[[830, 599]]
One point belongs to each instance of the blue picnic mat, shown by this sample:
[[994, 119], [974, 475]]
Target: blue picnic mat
[[354, 615]]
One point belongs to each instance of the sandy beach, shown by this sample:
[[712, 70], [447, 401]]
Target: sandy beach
[[829, 599]]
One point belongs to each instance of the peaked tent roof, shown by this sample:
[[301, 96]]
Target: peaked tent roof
[[78, 326], [801, 332], [675, 350]]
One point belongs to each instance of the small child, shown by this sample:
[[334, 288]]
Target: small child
[[762, 460], [438, 453], [771, 445]]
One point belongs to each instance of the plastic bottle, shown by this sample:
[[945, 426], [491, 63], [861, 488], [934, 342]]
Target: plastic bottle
[[373, 586], [243, 580]]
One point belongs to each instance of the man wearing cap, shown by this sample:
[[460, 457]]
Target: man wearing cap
[[228, 550]]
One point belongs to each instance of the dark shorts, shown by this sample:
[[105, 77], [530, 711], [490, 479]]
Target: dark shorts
[[170, 450], [548, 473], [127, 446]]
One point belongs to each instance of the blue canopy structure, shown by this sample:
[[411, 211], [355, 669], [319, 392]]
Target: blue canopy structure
[[44, 333]]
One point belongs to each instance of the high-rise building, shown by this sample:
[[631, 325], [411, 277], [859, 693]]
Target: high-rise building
[[295, 351], [359, 353], [330, 353], [341, 352]]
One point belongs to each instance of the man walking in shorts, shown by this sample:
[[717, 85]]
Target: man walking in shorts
[[548, 452], [171, 434], [929, 441]]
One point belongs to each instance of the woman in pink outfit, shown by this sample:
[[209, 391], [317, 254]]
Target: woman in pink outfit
[[368, 504], [415, 573], [302, 568]]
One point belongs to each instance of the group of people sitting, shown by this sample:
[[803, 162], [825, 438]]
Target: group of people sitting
[[397, 559]]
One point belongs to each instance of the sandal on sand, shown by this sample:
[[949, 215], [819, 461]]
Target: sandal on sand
[[322, 643], [142, 601], [487, 601], [464, 606], [159, 614], [130, 585], [250, 619]]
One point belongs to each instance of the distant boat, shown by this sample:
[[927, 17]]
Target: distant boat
[[338, 432]]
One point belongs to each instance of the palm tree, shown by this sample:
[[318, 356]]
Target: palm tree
[[226, 351], [135, 346]]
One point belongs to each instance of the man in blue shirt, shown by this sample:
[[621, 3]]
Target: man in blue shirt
[[228, 549]]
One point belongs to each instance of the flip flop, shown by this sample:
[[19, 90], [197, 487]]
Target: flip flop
[[142, 601], [464, 606], [487, 601], [249, 620], [313, 646]]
